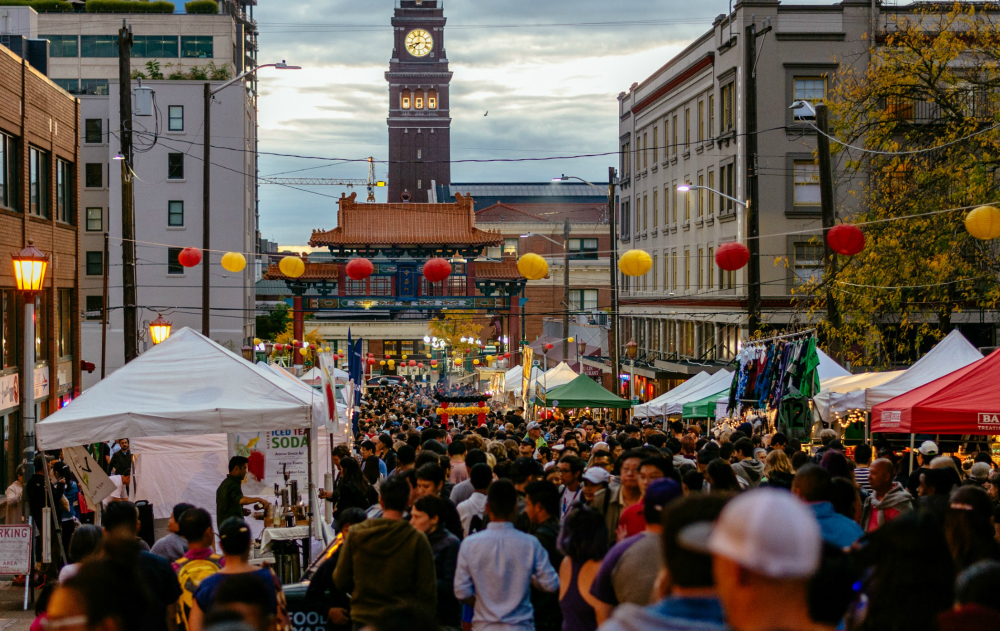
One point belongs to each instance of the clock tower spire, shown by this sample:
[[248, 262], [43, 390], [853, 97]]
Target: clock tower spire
[[419, 117]]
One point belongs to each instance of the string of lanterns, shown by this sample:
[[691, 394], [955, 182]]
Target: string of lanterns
[[461, 410]]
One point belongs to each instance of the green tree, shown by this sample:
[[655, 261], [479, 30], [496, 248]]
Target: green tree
[[922, 118], [274, 323]]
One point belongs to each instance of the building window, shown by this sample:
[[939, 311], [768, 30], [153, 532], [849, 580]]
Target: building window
[[94, 131], [64, 320], [645, 213], [583, 248], [175, 118], [510, 247], [673, 130], [710, 195], [173, 264], [199, 46], [42, 324], [808, 264], [98, 45], [701, 266], [806, 178], [62, 45], [656, 143], [656, 273], [404, 99], [728, 97], [95, 219], [687, 207], [95, 263], [70, 85], [809, 89], [656, 208], [96, 87], [673, 202], [420, 154], [584, 300], [175, 166], [687, 269], [420, 185], [93, 175], [728, 182], [154, 46], [94, 307], [625, 161], [8, 171], [175, 213], [701, 195], [38, 182], [432, 100], [625, 231], [673, 270], [701, 121], [64, 191], [711, 115], [645, 150], [418, 103], [710, 269], [687, 128]]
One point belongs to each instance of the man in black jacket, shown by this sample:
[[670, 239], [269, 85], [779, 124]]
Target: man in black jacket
[[430, 481], [542, 508]]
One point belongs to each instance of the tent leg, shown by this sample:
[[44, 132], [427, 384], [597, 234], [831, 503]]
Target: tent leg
[[307, 543], [913, 438]]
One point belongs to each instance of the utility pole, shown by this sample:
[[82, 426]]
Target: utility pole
[[206, 223], [565, 331], [131, 324], [753, 185], [829, 217], [613, 226]]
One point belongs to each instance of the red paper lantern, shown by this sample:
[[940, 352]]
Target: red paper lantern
[[388, 356], [420, 365], [371, 362], [359, 269], [732, 256], [549, 347], [189, 257], [369, 354], [468, 350], [846, 239], [279, 347], [434, 363], [296, 344], [506, 355], [437, 269], [413, 363]]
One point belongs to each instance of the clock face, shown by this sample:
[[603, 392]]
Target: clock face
[[419, 42]]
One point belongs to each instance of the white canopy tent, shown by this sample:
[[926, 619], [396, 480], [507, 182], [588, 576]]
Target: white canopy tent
[[313, 375], [315, 396], [840, 395], [560, 375], [713, 384], [947, 356], [185, 387], [643, 410], [512, 379]]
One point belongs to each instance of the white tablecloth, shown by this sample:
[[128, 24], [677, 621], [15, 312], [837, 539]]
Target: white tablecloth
[[282, 534]]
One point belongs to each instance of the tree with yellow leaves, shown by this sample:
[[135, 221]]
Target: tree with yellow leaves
[[452, 326], [917, 131]]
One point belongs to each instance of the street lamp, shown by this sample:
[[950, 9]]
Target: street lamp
[[159, 329], [29, 275], [205, 188], [247, 351], [631, 349], [581, 349]]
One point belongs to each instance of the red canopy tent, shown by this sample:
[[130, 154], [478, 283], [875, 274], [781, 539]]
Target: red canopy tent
[[961, 402]]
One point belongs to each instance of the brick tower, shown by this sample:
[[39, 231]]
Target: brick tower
[[419, 118]]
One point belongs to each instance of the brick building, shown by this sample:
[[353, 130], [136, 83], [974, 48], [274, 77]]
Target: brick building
[[39, 150]]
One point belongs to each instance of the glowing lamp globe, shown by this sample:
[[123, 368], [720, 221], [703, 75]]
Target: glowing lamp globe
[[292, 266], [159, 329], [532, 266], [635, 263], [983, 222], [359, 269], [233, 262], [437, 269], [29, 269], [189, 257], [732, 256], [846, 239]]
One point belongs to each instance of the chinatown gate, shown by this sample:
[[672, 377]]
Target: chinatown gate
[[398, 239]]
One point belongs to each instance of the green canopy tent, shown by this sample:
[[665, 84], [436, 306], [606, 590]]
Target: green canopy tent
[[584, 392], [702, 408]]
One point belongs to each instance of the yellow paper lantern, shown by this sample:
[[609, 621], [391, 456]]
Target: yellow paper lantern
[[292, 266], [303, 351], [635, 263], [381, 362], [489, 358], [429, 356], [570, 339], [475, 361], [532, 266], [983, 222], [256, 341], [233, 262], [404, 356]]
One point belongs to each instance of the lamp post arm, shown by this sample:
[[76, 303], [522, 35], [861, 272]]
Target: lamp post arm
[[239, 77], [591, 184], [720, 193]]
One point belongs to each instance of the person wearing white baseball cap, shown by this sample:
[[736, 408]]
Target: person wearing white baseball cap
[[765, 546], [928, 451]]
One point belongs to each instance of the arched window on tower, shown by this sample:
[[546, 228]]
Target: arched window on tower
[[404, 99], [418, 100], [432, 99]]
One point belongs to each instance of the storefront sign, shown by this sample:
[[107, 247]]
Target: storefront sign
[[15, 549], [41, 382], [891, 418], [10, 391], [989, 421]]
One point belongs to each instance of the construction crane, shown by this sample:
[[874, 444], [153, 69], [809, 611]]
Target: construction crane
[[371, 182]]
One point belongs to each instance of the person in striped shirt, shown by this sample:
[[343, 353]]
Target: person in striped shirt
[[862, 458]]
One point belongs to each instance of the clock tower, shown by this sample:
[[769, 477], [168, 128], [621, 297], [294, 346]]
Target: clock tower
[[419, 118]]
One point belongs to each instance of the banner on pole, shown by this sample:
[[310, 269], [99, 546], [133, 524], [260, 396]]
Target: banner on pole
[[94, 483], [270, 455]]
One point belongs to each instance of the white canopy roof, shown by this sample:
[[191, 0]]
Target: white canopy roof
[[829, 368], [558, 376], [644, 410], [318, 400], [947, 356], [314, 375], [716, 383], [840, 395], [512, 378], [186, 385]]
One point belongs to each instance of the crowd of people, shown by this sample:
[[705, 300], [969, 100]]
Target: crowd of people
[[578, 524]]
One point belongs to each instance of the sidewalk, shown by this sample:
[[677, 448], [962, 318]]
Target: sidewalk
[[12, 614]]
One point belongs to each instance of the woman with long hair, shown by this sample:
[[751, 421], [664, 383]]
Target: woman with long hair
[[584, 541], [778, 470], [968, 526], [721, 477], [353, 489]]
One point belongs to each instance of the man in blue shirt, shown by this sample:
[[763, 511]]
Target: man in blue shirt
[[496, 567], [691, 602], [813, 485]]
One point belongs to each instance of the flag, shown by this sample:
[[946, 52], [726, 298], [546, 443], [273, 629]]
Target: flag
[[356, 373]]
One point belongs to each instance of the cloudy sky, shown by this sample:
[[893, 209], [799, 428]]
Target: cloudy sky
[[548, 72]]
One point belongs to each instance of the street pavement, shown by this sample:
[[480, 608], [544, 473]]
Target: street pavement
[[12, 614]]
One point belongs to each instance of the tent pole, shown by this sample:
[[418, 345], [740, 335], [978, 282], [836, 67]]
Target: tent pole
[[307, 542], [913, 438]]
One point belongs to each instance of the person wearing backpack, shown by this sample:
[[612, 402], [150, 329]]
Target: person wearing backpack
[[472, 511], [198, 563]]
